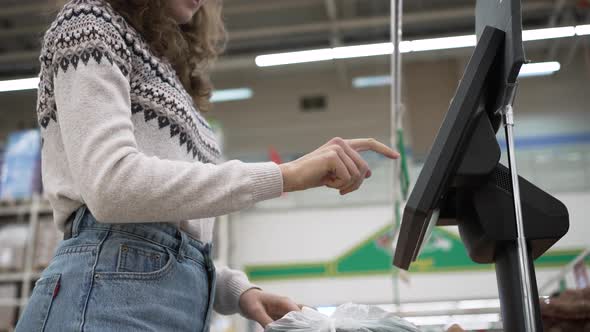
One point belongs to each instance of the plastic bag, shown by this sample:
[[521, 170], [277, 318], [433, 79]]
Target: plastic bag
[[347, 318]]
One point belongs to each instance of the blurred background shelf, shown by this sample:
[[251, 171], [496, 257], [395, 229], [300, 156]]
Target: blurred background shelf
[[18, 276], [28, 239], [22, 208], [5, 302]]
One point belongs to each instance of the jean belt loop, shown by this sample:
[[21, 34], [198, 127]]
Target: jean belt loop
[[78, 220], [182, 247], [208, 257], [71, 226]]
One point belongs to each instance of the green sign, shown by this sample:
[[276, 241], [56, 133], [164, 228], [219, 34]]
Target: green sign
[[444, 251]]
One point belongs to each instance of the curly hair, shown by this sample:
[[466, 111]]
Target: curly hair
[[190, 48]]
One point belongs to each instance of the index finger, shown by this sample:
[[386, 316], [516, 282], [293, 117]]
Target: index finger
[[370, 144]]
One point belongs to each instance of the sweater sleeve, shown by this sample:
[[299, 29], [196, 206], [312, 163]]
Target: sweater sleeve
[[230, 285], [117, 181]]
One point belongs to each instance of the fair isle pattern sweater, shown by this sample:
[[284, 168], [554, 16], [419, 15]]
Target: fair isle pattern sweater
[[122, 136]]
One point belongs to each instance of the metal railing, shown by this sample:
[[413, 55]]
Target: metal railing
[[562, 274]]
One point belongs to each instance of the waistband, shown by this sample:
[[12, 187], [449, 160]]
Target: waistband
[[164, 234]]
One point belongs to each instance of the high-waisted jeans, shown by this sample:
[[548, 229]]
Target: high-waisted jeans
[[123, 277]]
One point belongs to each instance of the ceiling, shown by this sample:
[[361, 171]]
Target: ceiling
[[263, 26]]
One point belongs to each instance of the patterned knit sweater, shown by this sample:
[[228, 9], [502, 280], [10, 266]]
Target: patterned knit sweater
[[121, 135]]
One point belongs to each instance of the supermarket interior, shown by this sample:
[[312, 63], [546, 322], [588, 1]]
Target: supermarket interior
[[295, 74]]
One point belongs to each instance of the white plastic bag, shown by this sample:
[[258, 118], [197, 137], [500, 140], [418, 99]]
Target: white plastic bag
[[347, 318]]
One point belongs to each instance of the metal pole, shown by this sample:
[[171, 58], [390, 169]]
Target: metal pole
[[523, 263], [396, 108], [396, 67]]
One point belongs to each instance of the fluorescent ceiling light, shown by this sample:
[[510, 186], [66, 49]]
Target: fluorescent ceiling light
[[419, 45], [550, 33], [443, 43], [362, 50], [539, 69], [20, 84], [345, 52], [231, 95], [527, 70], [371, 81], [582, 30], [294, 57], [405, 47], [217, 97]]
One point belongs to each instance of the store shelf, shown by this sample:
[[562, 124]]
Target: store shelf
[[17, 276], [11, 276], [23, 209], [28, 212], [11, 302]]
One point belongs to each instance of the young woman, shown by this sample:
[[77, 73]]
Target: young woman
[[134, 176]]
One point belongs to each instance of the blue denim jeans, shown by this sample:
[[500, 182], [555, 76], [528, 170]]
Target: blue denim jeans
[[123, 277]]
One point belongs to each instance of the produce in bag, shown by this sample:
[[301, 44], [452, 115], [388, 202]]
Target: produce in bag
[[347, 318]]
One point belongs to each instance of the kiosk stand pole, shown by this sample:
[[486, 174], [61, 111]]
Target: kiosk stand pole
[[396, 96], [396, 116], [521, 243]]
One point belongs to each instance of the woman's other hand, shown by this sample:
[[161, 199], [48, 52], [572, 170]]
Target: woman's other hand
[[265, 307], [337, 164]]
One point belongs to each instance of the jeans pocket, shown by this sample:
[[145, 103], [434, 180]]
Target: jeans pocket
[[140, 261], [34, 318]]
